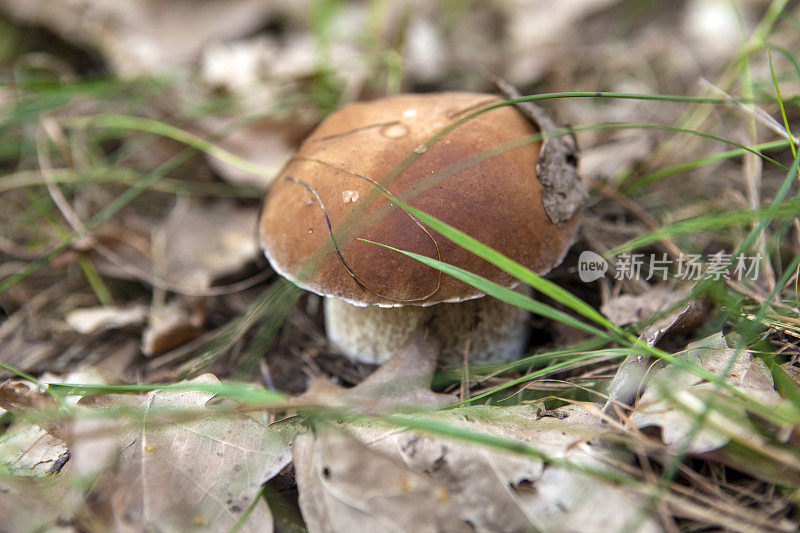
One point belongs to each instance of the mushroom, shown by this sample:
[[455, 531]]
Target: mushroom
[[481, 177]]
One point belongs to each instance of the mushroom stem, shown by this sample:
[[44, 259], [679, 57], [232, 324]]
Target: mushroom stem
[[490, 330]]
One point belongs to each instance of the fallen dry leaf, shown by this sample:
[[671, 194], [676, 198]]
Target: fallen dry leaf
[[669, 384], [216, 466], [631, 309], [346, 486], [485, 489], [497, 490], [34, 504], [491, 490], [28, 450], [199, 243], [119, 251], [178, 473], [643, 308], [195, 246]]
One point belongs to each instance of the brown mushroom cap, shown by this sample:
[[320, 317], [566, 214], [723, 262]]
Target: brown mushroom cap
[[496, 200]]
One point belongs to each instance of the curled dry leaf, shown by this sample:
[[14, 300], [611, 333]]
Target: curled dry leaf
[[673, 396], [17, 395], [30, 450], [628, 309], [485, 489], [172, 325], [45, 442], [91, 319], [632, 309], [684, 319], [30, 499]]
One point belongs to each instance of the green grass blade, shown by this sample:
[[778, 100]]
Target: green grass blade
[[509, 296], [780, 104], [167, 130], [540, 372], [706, 222], [500, 292], [510, 266], [245, 392], [656, 175]]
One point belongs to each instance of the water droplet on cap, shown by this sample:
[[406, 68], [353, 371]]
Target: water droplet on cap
[[349, 196], [394, 131]]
